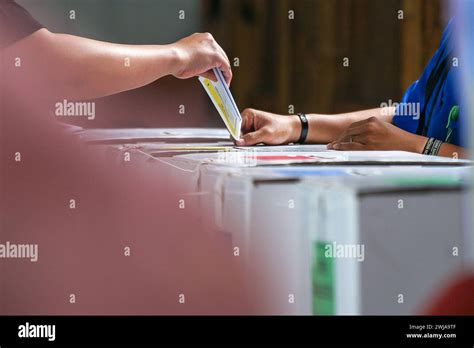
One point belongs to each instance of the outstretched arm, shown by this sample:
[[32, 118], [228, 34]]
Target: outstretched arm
[[78, 68], [363, 130], [264, 127]]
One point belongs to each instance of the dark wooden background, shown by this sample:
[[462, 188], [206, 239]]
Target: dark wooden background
[[300, 62], [287, 62]]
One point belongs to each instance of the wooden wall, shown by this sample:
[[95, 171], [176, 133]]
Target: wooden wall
[[300, 62], [420, 33]]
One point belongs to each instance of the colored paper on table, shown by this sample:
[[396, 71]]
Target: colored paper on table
[[222, 99]]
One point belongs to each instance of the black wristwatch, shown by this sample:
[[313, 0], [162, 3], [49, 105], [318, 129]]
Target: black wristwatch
[[304, 128]]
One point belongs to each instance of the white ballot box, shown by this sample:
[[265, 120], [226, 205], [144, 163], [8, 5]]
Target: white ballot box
[[212, 169], [384, 249], [322, 232], [279, 224]]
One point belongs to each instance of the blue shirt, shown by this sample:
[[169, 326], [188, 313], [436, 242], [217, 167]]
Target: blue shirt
[[439, 82]]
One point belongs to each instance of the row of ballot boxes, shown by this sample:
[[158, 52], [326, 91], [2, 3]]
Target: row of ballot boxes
[[364, 245], [323, 232]]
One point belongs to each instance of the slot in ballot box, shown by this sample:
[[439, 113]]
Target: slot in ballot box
[[152, 135]]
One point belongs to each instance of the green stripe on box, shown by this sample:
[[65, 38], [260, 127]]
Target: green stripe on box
[[421, 180], [322, 281]]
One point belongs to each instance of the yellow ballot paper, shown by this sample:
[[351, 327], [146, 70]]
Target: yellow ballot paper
[[224, 102]]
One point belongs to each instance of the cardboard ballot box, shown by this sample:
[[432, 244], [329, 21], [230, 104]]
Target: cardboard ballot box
[[281, 225], [384, 249], [211, 168], [323, 232], [257, 207]]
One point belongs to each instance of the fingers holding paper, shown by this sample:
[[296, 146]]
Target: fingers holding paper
[[260, 127], [197, 55]]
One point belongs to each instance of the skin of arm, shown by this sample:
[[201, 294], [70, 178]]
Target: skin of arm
[[272, 129], [363, 130], [325, 128], [375, 134], [73, 67]]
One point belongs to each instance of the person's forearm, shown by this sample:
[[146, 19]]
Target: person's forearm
[[100, 69], [416, 143], [453, 151], [79, 68], [326, 128]]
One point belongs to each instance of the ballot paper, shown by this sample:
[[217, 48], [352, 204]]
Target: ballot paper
[[224, 102]]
